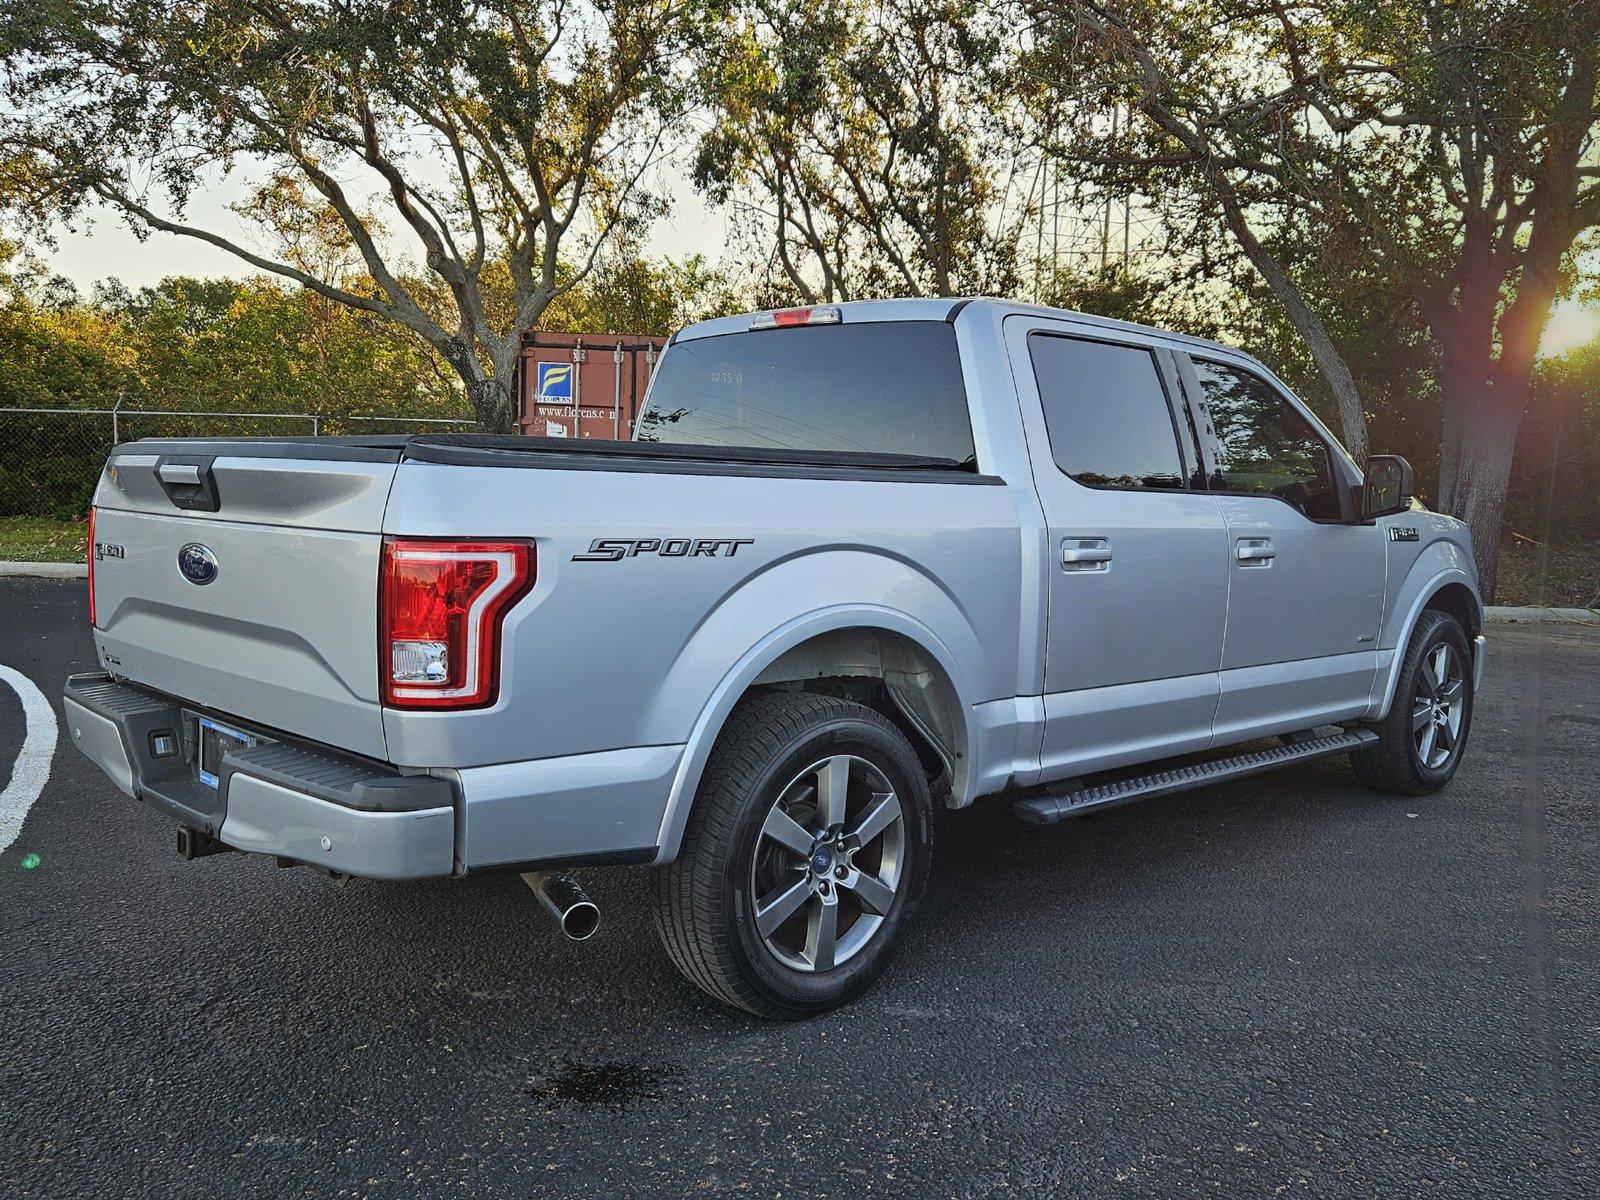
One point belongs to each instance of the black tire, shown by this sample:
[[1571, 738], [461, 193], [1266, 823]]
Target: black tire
[[1395, 763], [704, 900]]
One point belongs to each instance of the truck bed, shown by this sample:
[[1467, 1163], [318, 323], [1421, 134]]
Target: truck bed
[[287, 635]]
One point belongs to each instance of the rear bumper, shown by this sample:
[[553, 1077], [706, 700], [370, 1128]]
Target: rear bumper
[[333, 811]]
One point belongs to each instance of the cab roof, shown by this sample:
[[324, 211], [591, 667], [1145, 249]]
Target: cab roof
[[945, 309]]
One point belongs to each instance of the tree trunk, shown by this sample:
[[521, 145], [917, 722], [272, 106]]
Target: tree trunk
[[1335, 373], [1481, 419], [488, 384], [493, 403]]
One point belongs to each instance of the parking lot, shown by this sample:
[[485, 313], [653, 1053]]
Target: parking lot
[[1281, 986]]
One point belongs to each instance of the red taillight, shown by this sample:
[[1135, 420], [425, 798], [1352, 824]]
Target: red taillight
[[441, 605], [92, 621]]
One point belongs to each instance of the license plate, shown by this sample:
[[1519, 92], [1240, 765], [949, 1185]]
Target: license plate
[[215, 741]]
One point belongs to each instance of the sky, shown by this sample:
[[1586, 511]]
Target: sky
[[109, 249]]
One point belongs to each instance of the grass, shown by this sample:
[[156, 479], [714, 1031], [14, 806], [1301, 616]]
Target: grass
[[39, 539], [1564, 575]]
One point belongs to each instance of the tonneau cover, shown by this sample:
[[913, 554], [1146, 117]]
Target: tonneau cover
[[439, 447], [425, 447]]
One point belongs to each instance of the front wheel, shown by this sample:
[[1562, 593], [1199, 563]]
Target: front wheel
[[805, 854], [1421, 741]]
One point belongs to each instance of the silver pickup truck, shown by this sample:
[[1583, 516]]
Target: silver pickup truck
[[858, 560]]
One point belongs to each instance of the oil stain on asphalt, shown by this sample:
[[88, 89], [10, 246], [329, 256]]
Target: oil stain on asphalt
[[617, 1087]]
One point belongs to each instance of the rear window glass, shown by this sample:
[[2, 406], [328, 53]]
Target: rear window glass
[[889, 387], [1106, 413]]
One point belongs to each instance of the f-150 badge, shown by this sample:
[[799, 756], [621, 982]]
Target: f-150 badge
[[616, 549], [1402, 533]]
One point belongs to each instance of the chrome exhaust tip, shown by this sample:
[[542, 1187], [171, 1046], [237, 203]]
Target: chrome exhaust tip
[[567, 903]]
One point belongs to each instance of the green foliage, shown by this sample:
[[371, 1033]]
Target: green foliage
[[1414, 182], [215, 344], [49, 464], [1120, 294], [631, 294], [855, 142], [1555, 489], [1379, 335], [229, 345], [190, 345], [1381, 201], [255, 346], [433, 163], [54, 358]]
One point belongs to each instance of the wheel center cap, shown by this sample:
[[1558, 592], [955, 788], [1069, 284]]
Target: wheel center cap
[[822, 859]]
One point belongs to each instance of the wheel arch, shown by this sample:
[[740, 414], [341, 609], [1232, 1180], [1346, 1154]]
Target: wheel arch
[[1460, 602], [917, 669], [1451, 590]]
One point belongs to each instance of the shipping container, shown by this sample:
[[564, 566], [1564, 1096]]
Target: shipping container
[[587, 385]]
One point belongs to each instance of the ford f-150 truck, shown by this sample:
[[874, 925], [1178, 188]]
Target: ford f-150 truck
[[858, 560]]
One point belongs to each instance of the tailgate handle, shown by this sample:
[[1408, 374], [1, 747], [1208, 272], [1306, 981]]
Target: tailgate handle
[[181, 473], [188, 482]]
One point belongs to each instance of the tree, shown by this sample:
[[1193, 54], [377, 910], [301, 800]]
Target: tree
[[856, 153], [1556, 488], [493, 136], [628, 293], [1114, 291], [55, 353], [1444, 149], [256, 346]]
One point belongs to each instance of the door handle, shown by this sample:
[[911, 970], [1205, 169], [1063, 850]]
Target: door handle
[[1086, 554], [1256, 552]]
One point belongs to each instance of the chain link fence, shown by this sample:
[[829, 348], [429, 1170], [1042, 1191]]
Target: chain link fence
[[50, 458]]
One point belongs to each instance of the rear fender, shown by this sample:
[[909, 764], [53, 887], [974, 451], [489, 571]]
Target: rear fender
[[951, 644]]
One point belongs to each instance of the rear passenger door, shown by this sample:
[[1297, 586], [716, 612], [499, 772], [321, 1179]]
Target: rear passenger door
[[1137, 555], [1305, 582]]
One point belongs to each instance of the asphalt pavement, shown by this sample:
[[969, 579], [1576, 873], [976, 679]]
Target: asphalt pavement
[[1283, 986]]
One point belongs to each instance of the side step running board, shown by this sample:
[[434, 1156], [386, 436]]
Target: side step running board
[[1047, 810]]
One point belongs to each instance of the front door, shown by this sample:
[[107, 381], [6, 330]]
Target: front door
[[1137, 574], [1305, 592]]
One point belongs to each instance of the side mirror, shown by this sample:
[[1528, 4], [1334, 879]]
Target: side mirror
[[1388, 486]]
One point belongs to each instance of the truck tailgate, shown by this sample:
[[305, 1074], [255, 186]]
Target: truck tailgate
[[284, 632]]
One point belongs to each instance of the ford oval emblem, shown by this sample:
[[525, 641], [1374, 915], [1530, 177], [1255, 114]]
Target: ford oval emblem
[[197, 563]]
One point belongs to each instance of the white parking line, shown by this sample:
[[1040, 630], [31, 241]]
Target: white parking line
[[32, 767]]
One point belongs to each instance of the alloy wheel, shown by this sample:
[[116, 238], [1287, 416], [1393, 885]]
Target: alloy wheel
[[829, 863], [1439, 706]]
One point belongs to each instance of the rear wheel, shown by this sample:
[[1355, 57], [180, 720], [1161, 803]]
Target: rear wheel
[[1421, 741], [805, 853]]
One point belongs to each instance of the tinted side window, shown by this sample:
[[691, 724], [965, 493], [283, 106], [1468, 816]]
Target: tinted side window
[[1264, 445], [884, 387], [1106, 412]]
